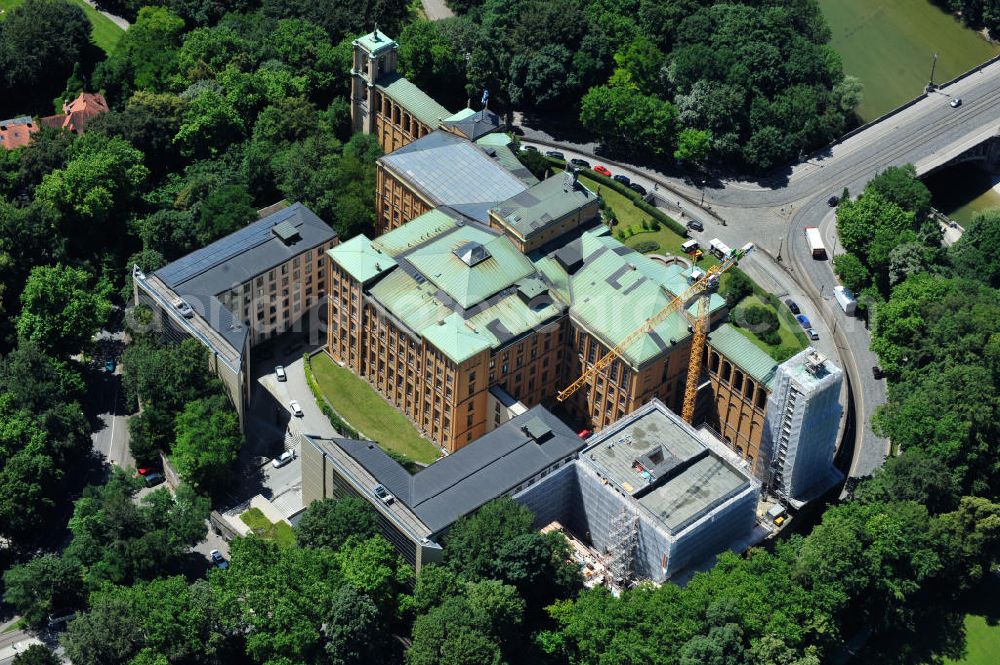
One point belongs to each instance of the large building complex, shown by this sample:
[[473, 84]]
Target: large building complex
[[267, 278]]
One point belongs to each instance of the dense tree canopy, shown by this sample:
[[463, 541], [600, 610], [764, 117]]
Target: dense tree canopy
[[62, 309]]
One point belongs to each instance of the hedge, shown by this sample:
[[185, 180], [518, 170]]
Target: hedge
[[338, 423]]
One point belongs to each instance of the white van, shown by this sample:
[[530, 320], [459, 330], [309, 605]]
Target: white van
[[689, 246], [845, 299]]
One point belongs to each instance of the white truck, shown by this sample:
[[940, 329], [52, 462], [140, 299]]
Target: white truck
[[719, 248], [815, 241], [845, 299]]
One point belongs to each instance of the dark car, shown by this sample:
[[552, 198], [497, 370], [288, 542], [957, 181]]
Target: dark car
[[623, 179], [582, 163], [555, 154], [877, 372], [153, 479], [695, 225], [792, 306], [219, 560], [803, 320], [637, 188], [833, 201], [529, 148]]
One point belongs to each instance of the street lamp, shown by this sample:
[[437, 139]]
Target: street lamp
[[930, 85]]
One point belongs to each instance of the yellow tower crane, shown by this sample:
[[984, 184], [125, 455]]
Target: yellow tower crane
[[709, 281]]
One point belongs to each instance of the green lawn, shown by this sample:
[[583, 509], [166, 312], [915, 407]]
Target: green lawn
[[281, 533], [889, 45], [356, 401], [793, 339], [104, 32], [982, 642]]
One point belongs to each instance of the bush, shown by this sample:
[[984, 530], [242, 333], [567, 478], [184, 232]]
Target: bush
[[645, 225], [761, 321], [646, 246], [737, 287]]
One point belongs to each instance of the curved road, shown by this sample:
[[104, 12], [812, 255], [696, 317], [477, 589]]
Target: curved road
[[774, 213]]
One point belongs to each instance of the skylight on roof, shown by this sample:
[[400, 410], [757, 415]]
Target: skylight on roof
[[472, 253]]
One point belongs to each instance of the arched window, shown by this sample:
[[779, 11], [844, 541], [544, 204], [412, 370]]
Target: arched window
[[727, 368], [713, 362], [738, 381], [761, 400], [748, 391]]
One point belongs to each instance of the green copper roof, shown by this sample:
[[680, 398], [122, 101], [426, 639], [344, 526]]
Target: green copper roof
[[361, 259], [461, 115], [546, 203], [413, 99], [416, 231], [733, 344], [375, 42], [616, 290], [417, 306], [441, 262]]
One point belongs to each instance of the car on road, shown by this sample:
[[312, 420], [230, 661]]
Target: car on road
[[279, 372], [283, 459], [603, 170], [146, 470], [623, 179], [695, 225], [803, 321], [153, 479], [582, 163], [877, 372], [956, 102], [833, 201], [790, 304], [529, 148], [295, 408], [637, 188], [811, 333], [219, 560], [555, 154], [383, 495]]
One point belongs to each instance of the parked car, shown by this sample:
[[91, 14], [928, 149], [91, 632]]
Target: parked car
[[637, 188], [695, 225], [833, 201], [146, 470], [791, 305], [623, 179], [279, 372], [877, 372], [153, 479], [283, 459], [219, 560], [803, 320], [555, 154], [383, 495], [582, 163], [181, 306], [529, 148], [603, 170], [811, 333], [295, 408], [955, 103]]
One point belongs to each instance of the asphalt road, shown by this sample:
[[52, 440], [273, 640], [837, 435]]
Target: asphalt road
[[774, 212], [436, 10]]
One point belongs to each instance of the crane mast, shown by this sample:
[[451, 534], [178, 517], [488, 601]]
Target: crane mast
[[710, 280]]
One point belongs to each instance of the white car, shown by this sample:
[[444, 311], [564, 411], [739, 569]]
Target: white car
[[283, 459], [279, 372], [183, 308], [383, 495], [295, 408], [956, 102]]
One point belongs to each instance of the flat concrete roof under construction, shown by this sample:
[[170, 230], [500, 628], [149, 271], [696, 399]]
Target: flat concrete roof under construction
[[656, 458]]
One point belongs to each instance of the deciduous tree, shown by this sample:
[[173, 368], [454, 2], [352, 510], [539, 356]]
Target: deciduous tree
[[61, 309]]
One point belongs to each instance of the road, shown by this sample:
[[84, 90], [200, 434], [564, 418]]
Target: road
[[774, 212], [436, 10]]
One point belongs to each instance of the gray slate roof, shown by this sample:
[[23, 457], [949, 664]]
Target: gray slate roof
[[228, 262], [474, 475], [451, 170]]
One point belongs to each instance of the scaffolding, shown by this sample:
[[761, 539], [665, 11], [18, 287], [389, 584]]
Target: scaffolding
[[622, 538]]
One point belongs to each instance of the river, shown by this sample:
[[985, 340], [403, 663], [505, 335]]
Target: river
[[962, 191]]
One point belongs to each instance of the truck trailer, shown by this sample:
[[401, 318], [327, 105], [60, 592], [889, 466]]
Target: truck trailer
[[845, 299], [815, 241]]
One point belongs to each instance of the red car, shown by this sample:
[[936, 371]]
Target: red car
[[603, 170]]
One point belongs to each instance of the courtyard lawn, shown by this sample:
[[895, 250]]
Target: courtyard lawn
[[103, 30], [280, 533], [889, 45], [793, 339], [367, 411], [982, 642]]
